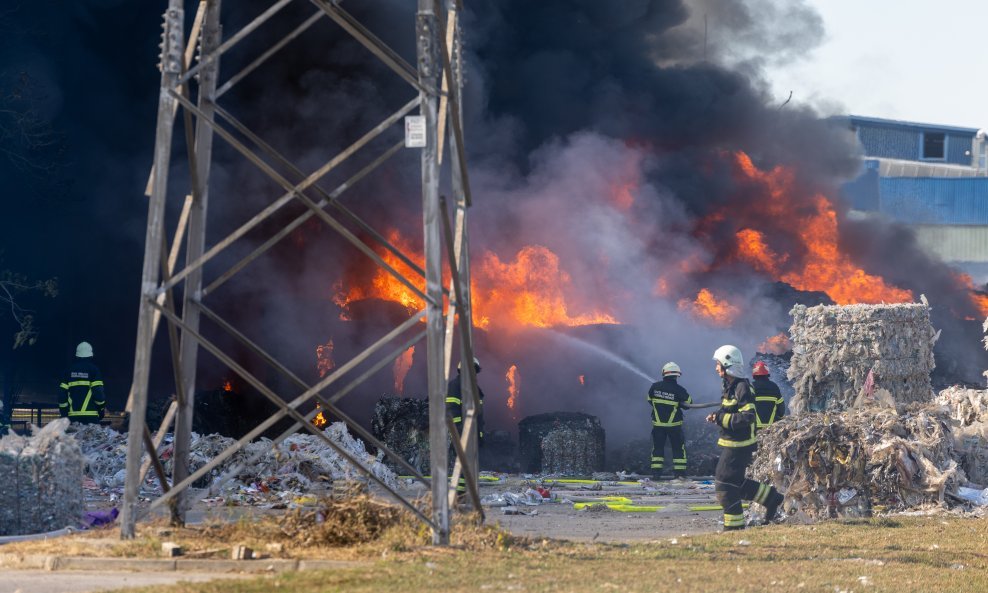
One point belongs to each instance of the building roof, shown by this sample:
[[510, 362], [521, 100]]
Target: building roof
[[888, 123]]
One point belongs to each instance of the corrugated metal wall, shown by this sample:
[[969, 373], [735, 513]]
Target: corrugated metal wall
[[955, 243], [932, 200], [905, 143]]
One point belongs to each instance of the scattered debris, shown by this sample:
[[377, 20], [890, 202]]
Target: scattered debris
[[265, 475], [171, 549], [42, 476], [837, 348]]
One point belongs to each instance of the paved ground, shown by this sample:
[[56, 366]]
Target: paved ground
[[560, 519], [86, 581]]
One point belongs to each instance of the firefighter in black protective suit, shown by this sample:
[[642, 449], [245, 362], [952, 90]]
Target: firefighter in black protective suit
[[454, 408], [668, 399], [81, 399], [770, 407], [736, 419]]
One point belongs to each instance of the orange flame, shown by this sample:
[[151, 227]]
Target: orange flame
[[719, 312], [402, 365], [228, 386], [530, 290], [324, 358], [320, 420], [823, 267], [583, 379], [514, 384], [778, 344], [978, 298], [385, 286]]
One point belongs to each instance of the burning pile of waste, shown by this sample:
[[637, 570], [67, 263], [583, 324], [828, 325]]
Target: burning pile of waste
[[838, 464], [837, 348]]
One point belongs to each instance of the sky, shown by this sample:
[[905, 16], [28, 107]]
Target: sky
[[911, 60]]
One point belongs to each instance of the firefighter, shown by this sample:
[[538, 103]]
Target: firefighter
[[454, 407], [668, 399], [736, 419], [82, 399], [769, 405]]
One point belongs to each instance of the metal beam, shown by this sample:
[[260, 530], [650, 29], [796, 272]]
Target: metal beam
[[229, 84], [427, 34], [208, 74], [287, 196], [286, 408], [171, 66]]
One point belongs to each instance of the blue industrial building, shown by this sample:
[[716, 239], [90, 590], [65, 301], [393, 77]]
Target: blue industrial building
[[933, 178]]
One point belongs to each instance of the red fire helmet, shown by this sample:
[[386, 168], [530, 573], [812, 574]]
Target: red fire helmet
[[760, 369]]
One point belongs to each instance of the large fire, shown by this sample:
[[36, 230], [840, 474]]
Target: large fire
[[529, 290], [514, 385], [821, 265], [403, 364], [719, 312]]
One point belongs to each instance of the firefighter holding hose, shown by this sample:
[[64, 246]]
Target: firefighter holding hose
[[737, 421], [668, 399]]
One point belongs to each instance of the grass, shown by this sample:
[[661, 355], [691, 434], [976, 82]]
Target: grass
[[904, 555]]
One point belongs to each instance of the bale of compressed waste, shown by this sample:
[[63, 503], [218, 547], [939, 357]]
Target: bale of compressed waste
[[836, 348], [846, 463], [402, 424], [569, 443], [42, 479]]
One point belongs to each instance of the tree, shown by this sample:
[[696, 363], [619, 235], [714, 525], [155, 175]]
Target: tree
[[13, 286]]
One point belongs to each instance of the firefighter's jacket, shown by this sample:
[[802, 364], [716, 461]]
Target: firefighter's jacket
[[667, 398], [736, 416], [769, 405], [454, 404], [81, 398]]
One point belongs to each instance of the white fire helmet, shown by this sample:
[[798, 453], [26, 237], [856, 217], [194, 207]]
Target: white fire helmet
[[476, 364], [84, 350], [671, 369], [731, 359]]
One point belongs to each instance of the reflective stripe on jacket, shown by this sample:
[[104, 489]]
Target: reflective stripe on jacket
[[769, 404], [667, 397], [736, 416], [82, 391], [454, 404]]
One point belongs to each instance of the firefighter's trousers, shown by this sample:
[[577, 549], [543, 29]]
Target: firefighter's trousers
[[674, 434], [732, 487]]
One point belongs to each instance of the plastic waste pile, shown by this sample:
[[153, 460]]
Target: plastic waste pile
[[853, 462], [403, 425], [41, 478], [261, 473], [565, 443], [836, 348], [968, 409]]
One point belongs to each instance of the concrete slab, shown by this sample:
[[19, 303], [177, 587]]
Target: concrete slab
[[87, 581]]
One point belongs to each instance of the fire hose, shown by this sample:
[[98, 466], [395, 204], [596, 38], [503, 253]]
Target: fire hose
[[698, 406]]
